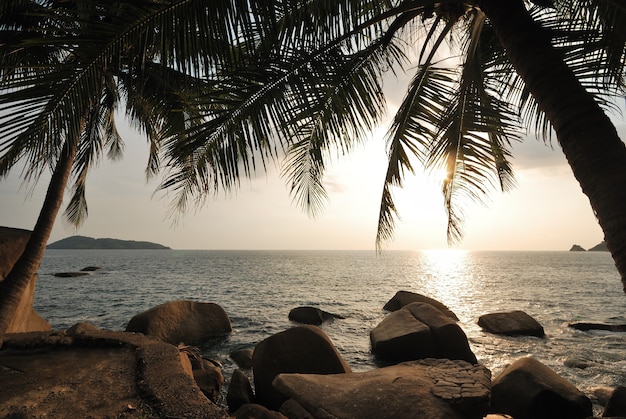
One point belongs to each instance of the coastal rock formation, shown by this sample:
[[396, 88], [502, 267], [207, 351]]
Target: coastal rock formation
[[26, 319], [577, 248], [182, 321], [301, 349], [239, 391], [311, 315], [450, 340], [527, 389], [209, 378], [401, 337], [419, 331], [434, 389], [88, 372], [511, 323], [403, 298], [598, 326], [242, 357]]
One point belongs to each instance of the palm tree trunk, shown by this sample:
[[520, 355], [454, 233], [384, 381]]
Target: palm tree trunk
[[588, 138], [17, 281]]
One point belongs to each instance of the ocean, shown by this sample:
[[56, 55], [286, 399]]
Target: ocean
[[259, 288]]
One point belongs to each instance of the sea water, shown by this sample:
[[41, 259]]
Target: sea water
[[259, 288]]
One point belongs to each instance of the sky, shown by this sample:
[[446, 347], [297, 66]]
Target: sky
[[546, 211]]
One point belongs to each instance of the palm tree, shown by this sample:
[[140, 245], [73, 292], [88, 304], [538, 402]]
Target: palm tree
[[65, 69], [222, 88], [312, 82]]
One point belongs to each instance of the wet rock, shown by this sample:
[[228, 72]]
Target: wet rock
[[511, 323], [577, 363], [91, 268], [242, 357], [239, 391], [434, 389], [182, 321], [301, 349], [210, 379], [70, 274], [598, 326], [311, 315], [527, 389], [403, 298]]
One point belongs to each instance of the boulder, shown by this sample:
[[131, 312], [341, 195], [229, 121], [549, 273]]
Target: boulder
[[26, 319], [242, 357], [511, 323], [256, 411], [527, 389], [209, 378], [616, 406], [301, 349], [70, 274], [403, 298], [434, 389], [598, 326], [91, 268], [418, 331], [239, 391], [311, 315], [450, 340], [182, 321], [401, 337]]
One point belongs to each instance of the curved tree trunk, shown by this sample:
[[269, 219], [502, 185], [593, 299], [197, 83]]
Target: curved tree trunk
[[588, 138], [16, 282]]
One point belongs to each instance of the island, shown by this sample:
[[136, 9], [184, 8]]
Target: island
[[600, 247], [82, 242]]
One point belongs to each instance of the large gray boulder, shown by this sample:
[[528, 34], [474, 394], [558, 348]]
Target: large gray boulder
[[182, 321], [527, 389], [311, 315], [402, 298], [301, 349], [511, 323], [434, 389], [417, 331], [25, 319]]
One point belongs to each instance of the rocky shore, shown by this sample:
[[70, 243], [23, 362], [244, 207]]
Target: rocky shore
[[150, 370]]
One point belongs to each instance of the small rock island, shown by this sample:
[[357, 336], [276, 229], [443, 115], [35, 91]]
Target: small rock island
[[82, 242], [600, 247]]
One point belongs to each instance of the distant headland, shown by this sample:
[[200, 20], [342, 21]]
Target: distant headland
[[600, 247], [82, 242]]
